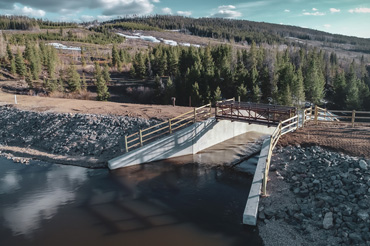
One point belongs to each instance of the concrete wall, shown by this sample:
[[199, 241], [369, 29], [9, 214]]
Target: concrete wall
[[251, 208], [190, 140]]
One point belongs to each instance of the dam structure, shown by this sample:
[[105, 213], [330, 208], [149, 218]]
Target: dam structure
[[201, 128]]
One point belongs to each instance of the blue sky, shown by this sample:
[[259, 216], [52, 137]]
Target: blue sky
[[348, 17]]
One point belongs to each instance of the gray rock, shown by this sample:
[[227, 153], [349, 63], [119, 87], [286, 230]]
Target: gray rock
[[363, 165], [355, 237], [328, 221]]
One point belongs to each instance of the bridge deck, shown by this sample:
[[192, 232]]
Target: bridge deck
[[253, 112]]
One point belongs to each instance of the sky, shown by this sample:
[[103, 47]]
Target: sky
[[347, 17]]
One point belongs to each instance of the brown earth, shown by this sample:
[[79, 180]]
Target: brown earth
[[340, 137], [60, 105]]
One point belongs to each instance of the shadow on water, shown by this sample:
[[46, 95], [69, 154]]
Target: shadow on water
[[183, 201]]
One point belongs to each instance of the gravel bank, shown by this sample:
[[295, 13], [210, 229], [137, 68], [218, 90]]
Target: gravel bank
[[317, 197], [80, 139]]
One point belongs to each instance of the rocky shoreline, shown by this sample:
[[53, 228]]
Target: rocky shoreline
[[79, 139], [317, 197]]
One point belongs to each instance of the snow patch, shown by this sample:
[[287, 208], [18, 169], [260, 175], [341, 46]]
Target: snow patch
[[64, 47]]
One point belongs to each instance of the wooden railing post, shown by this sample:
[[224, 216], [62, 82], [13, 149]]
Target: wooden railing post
[[169, 125], [353, 117], [195, 115], [141, 137], [239, 99], [316, 114], [298, 120], [304, 117], [216, 110], [126, 147]]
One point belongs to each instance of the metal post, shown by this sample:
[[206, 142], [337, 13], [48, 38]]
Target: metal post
[[15, 99], [353, 117], [141, 137], [126, 147], [169, 125]]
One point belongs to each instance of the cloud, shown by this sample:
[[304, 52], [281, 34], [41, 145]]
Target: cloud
[[184, 13], [314, 13], [360, 10], [108, 7], [156, 1], [287, 10], [126, 7], [334, 10], [327, 26], [227, 11], [27, 11], [167, 11], [314, 9]]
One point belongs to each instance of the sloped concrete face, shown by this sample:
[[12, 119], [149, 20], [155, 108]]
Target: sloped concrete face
[[190, 140]]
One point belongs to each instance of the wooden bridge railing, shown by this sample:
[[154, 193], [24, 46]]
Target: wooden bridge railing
[[143, 136]]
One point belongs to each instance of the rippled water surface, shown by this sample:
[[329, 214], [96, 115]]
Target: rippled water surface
[[178, 202]]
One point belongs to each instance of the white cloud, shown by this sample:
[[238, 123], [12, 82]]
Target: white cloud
[[334, 10], [167, 11], [156, 1], [184, 13], [226, 7], [126, 7], [327, 26], [27, 11], [360, 10], [314, 13], [314, 9], [287, 10], [227, 11], [108, 7]]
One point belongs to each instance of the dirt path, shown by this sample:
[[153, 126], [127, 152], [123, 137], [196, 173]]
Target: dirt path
[[60, 105], [344, 138]]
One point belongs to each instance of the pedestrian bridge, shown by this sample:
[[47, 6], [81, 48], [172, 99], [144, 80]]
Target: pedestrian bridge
[[204, 127]]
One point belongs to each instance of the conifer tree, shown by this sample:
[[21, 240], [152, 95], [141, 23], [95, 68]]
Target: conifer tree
[[241, 91], [217, 95], [84, 84], [74, 82], [20, 65], [106, 74], [9, 52], [115, 56], [13, 68], [196, 98]]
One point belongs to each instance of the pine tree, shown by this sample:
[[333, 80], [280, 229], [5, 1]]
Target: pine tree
[[9, 52], [217, 95], [101, 89], [106, 74], [115, 56], [74, 82], [298, 88], [29, 79], [20, 65], [241, 91], [314, 82], [13, 68], [339, 86], [195, 95]]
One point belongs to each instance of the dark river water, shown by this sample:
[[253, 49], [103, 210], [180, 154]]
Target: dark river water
[[185, 201]]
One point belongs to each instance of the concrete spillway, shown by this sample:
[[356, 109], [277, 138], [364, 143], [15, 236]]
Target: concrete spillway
[[190, 140]]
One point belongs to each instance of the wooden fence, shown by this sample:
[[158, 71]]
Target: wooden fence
[[284, 127]]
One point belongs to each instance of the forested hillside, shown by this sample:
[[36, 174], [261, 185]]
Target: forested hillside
[[242, 30]]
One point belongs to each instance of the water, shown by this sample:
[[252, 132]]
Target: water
[[177, 202]]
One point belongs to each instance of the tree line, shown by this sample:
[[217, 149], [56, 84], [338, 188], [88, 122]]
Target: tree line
[[289, 77]]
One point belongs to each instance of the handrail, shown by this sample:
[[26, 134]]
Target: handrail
[[152, 132]]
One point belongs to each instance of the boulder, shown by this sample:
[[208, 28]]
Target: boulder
[[328, 221]]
